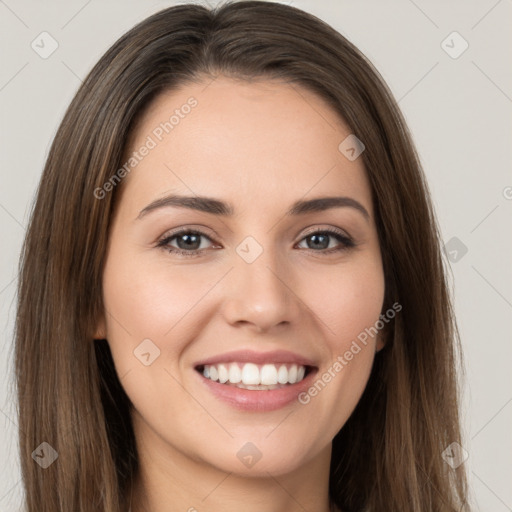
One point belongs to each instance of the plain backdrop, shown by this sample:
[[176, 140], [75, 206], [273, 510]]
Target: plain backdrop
[[458, 106]]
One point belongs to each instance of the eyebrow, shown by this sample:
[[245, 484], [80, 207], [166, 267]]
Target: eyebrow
[[217, 207]]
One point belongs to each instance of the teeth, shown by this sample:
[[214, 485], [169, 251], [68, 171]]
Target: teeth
[[282, 375], [223, 373], [292, 374], [268, 375], [258, 388], [235, 374], [253, 376], [214, 374], [250, 374]]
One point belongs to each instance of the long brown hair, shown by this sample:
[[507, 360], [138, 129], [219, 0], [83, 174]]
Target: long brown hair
[[388, 456]]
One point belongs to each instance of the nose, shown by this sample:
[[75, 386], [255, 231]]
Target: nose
[[261, 294]]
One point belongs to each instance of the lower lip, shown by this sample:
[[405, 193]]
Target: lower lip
[[258, 400]]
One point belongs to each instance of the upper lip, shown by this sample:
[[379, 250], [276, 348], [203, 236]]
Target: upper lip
[[251, 356]]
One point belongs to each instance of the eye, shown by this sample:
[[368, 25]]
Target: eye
[[188, 241], [320, 239]]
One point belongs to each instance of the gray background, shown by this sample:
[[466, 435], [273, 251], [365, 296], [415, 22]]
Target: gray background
[[458, 109]]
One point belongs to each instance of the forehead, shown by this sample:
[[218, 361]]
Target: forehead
[[243, 140]]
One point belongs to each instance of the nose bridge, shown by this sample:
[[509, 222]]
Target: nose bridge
[[260, 290]]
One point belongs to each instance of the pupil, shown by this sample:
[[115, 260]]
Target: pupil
[[315, 237], [189, 240]]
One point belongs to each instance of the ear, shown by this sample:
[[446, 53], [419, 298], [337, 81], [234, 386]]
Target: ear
[[380, 342], [101, 330]]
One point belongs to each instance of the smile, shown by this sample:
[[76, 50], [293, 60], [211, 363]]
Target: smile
[[254, 376], [255, 381]]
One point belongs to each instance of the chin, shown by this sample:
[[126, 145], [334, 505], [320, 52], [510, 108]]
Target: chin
[[259, 458]]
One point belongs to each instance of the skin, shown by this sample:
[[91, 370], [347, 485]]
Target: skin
[[260, 146]]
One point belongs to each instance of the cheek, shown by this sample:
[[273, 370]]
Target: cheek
[[149, 299], [149, 310], [347, 300], [346, 304]]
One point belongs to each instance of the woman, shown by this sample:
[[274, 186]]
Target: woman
[[232, 293]]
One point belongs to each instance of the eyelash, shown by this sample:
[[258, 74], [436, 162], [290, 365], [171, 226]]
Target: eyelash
[[346, 242]]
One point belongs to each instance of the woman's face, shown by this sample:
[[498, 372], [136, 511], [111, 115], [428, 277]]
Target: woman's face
[[258, 296]]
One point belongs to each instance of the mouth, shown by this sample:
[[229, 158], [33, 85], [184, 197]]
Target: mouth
[[255, 377], [254, 381]]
